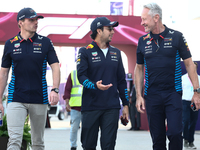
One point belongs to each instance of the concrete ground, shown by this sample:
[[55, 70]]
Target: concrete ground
[[57, 137]]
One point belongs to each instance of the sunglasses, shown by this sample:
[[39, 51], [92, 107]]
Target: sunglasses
[[110, 28]]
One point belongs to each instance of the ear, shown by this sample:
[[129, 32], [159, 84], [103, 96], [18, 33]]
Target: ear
[[99, 31], [20, 23], [156, 18]]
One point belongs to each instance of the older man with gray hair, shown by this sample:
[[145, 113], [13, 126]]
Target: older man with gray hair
[[160, 52]]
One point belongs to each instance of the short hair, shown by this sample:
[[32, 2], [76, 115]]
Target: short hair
[[94, 33], [154, 9], [19, 25]]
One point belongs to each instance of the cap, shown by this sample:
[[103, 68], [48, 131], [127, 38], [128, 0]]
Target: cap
[[27, 13], [101, 22]]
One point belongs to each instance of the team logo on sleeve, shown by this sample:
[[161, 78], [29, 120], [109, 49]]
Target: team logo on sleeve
[[78, 61], [15, 39], [90, 46], [51, 42], [146, 37], [186, 44]]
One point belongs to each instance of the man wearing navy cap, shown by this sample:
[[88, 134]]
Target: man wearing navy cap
[[100, 70], [27, 13], [28, 53]]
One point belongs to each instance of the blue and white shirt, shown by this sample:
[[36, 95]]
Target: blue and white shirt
[[28, 59], [161, 55]]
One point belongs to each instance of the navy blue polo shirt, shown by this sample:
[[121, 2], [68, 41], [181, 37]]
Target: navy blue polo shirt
[[28, 59], [161, 55], [92, 66]]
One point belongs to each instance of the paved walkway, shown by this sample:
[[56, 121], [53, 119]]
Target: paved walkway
[[57, 137]]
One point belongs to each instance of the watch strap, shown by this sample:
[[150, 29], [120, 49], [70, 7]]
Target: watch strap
[[197, 90], [55, 90]]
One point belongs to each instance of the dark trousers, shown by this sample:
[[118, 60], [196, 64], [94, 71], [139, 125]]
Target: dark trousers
[[134, 116], [107, 121], [161, 107], [190, 118]]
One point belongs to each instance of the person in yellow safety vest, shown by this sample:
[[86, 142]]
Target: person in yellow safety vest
[[72, 96]]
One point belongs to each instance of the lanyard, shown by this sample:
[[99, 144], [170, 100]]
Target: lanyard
[[157, 42]]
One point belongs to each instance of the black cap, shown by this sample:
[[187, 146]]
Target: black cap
[[27, 13], [101, 22]]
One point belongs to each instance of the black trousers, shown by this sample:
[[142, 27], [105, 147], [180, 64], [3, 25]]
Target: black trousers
[[161, 107], [190, 118], [134, 116], [106, 121]]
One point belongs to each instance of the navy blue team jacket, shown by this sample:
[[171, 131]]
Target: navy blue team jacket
[[29, 62], [161, 55], [92, 66]]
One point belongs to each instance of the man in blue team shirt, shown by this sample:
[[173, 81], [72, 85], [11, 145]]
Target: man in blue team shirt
[[160, 52], [28, 54], [101, 72]]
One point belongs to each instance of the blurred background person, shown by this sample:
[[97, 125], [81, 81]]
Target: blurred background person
[[133, 113], [72, 96], [190, 117]]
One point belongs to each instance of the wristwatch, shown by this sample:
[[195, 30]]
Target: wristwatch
[[55, 90], [197, 90]]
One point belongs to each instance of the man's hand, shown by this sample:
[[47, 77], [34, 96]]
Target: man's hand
[[140, 105], [1, 108], [130, 100], [53, 98], [125, 112], [196, 100], [101, 86], [68, 108]]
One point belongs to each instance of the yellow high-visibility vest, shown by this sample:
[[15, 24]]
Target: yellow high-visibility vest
[[76, 91]]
